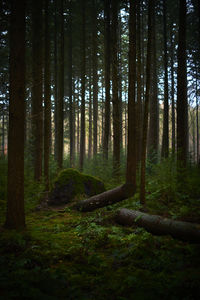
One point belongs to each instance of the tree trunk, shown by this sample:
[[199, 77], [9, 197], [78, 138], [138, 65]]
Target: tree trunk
[[47, 97], [94, 76], [115, 98], [160, 226], [107, 76], [82, 138], [90, 112], [37, 89], [55, 81], [107, 198], [153, 137], [182, 105], [60, 105], [147, 96], [131, 149], [165, 139], [15, 217], [71, 111], [172, 90]]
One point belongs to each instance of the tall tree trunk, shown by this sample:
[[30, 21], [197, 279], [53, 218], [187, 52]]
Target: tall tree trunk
[[15, 217], [71, 111], [90, 113], [94, 76], [37, 89], [147, 96], [139, 85], [172, 91], [82, 138], [197, 119], [165, 138], [182, 105], [107, 76], [60, 104], [153, 138], [47, 97], [131, 149], [55, 80], [115, 98]]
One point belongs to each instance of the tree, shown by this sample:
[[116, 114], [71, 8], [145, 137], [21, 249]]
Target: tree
[[107, 60], [165, 141], [147, 97], [15, 217], [82, 46], [182, 105], [37, 88], [47, 97], [115, 85], [131, 148]]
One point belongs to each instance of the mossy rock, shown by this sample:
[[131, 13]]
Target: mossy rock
[[71, 183]]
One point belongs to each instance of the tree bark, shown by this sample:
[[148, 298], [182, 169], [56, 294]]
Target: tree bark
[[107, 198], [165, 138], [82, 137], [15, 217], [158, 225], [115, 98], [107, 77], [47, 97], [131, 149], [146, 107], [37, 89]]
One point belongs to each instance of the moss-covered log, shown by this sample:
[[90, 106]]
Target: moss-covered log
[[107, 198], [158, 225]]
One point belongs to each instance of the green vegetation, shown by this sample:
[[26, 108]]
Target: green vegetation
[[67, 254]]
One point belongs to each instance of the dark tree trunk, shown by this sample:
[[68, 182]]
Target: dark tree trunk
[[71, 110], [47, 97], [107, 77], [115, 98], [90, 113], [15, 217], [55, 81], [165, 138], [160, 226], [139, 85], [147, 96], [94, 76], [131, 149], [82, 138], [182, 105], [37, 89], [172, 92], [107, 198], [153, 138], [60, 103]]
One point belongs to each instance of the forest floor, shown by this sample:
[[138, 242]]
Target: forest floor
[[65, 254]]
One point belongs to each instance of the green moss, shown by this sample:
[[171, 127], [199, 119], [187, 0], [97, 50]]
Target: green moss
[[79, 180]]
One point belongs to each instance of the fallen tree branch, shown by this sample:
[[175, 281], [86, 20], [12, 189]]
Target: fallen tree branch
[[158, 225], [106, 198]]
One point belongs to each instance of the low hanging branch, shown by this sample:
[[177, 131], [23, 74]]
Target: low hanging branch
[[160, 226], [107, 198]]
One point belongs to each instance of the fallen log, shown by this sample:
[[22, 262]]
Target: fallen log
[[158, 225], [106, 198]]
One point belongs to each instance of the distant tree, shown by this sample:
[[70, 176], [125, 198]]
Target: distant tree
[[15, 217]]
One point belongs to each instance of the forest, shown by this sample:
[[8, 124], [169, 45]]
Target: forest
[[100, 149]]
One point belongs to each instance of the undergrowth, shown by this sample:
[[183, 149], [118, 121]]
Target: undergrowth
[[67, 254]]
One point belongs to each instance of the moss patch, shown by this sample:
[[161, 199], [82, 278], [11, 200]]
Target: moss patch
[[71, 183]]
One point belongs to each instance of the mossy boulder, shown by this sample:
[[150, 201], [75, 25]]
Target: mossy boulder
[[71, 183]]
